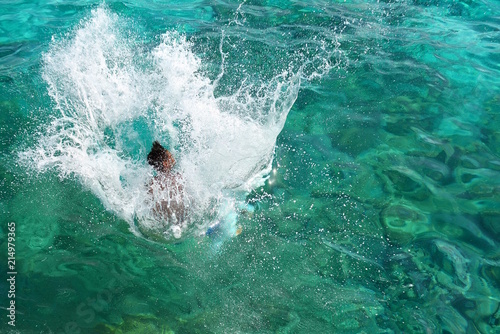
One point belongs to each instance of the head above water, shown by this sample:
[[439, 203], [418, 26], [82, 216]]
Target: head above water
[[160, 158]]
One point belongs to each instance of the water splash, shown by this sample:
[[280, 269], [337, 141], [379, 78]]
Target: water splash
[[112, 98]]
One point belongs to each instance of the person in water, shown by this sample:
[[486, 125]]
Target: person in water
[[166, 187]]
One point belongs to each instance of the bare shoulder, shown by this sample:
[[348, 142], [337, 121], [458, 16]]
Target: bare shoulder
[[168, 181]]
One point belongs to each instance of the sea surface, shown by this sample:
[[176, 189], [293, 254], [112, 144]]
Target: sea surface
[[340, 162]]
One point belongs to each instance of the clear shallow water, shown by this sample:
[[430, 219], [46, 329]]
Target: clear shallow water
[[381, 213]]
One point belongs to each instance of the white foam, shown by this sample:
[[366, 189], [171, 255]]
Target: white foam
[[103, 87]]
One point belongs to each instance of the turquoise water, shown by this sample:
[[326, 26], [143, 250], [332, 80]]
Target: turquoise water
[[355, 145]]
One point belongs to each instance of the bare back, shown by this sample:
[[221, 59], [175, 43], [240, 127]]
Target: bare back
[[167, 191]]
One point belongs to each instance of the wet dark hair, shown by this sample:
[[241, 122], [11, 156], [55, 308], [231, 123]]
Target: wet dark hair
[[157, 155]]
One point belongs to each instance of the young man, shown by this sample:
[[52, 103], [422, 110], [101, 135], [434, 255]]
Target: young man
[[166, 187]]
